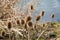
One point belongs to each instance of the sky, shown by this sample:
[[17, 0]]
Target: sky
[[49, 6]]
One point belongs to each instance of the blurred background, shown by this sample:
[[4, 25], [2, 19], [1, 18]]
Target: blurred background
[[49, 6]]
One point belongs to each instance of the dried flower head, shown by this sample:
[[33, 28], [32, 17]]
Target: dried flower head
[[32, 7], [22, 21], [3, 33], [28, 18], [30, 24], [37, 18], [25, 26], [9, 25], [52, 15], [18, 22], [42, 13], [43, 25]]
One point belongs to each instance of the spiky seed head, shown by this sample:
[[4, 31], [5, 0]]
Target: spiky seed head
[[30, 24], [18, 22], [28, 18], [3, 33], [37, 18], [22, 21], [9, 25], [32, 7], [42, 13], [52, 16], [43, 25]]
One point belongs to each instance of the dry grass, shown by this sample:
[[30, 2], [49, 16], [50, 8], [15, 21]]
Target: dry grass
[[13, 26]]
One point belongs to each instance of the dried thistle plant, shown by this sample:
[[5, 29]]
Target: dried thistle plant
[[28, 18], [37, 18], [43, 25], [7, 6], [22, 21], [42, 13], [7, 10], [32, 7], [3, 33], [18, 22], [52, 16], [30, 24], [9, 25]]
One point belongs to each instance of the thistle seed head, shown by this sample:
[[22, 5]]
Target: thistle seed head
[[37, 18], [9, 25], [52, 16], [28, 18], [30, 24], [42, 13], [22, 21]]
